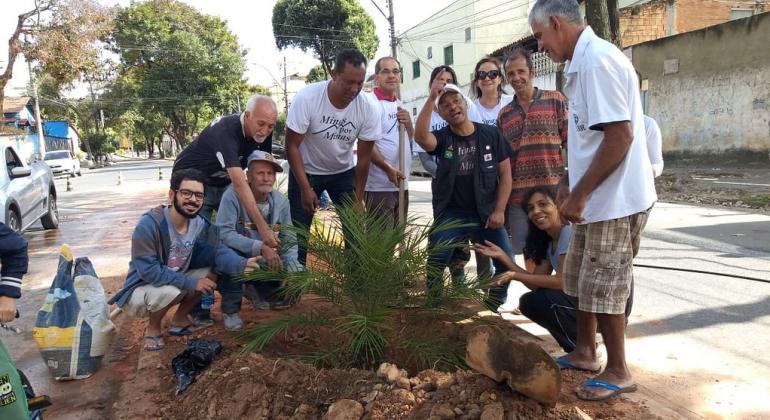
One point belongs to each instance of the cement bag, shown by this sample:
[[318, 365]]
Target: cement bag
[[73, 330]]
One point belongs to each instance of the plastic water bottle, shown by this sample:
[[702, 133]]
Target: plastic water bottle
[[207, 301]]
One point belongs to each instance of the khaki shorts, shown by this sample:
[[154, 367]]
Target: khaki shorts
[[147, 299], [598, 268]]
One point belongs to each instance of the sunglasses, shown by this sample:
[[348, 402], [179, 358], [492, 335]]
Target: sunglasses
[[492, 74]]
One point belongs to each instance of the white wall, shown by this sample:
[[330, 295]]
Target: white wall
[[493, 24]]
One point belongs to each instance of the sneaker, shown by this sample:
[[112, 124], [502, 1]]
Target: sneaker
[[233, 322], [261, 305], [202, 321], [281, 304], [508, 308]]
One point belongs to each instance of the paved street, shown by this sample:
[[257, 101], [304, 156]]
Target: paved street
[[695, 340]]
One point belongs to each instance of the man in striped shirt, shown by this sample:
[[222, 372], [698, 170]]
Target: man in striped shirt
[[535, 126]]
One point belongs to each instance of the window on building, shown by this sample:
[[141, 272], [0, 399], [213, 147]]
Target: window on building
[[415, 69], [449, 55], [430, 52], [741, 13], [467, 34]]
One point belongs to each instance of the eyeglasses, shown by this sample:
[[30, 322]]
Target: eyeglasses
[[492, 74], [387, 72], [187, 194]]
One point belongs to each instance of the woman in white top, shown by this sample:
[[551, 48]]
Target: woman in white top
[[487, 89]]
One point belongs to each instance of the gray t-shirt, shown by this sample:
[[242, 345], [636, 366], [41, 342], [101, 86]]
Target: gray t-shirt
[[181, 245], [561, 247]]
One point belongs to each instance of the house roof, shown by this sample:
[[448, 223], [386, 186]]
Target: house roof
[[13, 105]]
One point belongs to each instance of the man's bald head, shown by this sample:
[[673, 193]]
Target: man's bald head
[[259, 117]]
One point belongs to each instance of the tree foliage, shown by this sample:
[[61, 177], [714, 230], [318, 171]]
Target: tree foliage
[[324, 27], [61, 36], [183, 65], [316, 74]]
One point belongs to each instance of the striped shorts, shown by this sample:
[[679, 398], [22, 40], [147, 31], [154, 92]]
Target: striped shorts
[[598, 268]]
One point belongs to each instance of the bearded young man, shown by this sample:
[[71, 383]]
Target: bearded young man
[[176, 256]]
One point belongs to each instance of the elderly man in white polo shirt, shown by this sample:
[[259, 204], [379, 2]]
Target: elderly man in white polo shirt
[[608, 192]]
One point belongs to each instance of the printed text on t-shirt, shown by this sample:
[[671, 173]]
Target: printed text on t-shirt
[[345, 130]]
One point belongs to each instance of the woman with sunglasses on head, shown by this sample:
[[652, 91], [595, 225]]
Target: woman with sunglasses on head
[[487, 89]]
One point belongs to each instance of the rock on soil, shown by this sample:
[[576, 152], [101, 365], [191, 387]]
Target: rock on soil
[[345, 410]]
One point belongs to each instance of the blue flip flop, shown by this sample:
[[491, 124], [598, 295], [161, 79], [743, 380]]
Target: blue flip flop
[[565, 364], [181, 331], [153, 343], [616, 390]]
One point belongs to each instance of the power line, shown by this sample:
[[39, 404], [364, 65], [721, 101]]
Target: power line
[[442, 26]]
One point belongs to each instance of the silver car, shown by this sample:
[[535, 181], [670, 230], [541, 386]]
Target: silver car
[[27, 193], [62, 162]]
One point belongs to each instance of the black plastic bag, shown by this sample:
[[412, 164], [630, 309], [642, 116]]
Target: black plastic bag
[[193, 360]]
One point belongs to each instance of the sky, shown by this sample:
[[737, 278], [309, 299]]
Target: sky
[[250, 21]]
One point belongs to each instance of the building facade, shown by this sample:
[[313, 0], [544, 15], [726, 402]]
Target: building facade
[[458, 36]]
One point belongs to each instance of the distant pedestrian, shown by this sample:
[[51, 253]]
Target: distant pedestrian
[[324, 122], [220, 152], [535, 126], [608, 192]]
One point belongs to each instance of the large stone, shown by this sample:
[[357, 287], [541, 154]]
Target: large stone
[[345, 410], [443, 411], [493, 411], [524, 366]]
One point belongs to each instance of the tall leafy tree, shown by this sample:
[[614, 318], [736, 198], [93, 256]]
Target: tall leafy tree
[[324, 27], [61, 36], [187, 66]]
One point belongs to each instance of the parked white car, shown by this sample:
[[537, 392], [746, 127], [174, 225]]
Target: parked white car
[[62, 162], [27, 192]]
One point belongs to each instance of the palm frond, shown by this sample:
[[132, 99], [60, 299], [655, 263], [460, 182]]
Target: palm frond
[[260, 335]]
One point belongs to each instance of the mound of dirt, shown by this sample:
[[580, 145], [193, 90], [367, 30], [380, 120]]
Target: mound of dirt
[[254, 386]]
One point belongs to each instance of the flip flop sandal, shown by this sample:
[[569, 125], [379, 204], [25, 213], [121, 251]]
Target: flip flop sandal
[[565, 364], [181, 331], [616, 390], [153, 343]]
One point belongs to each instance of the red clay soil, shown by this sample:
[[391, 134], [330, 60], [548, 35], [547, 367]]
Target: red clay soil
[[267, 386]]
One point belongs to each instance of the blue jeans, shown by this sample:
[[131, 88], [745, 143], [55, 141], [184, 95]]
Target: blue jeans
[[339, 186], [478, 234], [211, 200]]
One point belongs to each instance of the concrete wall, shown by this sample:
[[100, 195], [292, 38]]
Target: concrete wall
[[719, 97]]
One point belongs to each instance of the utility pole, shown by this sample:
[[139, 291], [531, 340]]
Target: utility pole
[[402, 157], [38, 120], [604, 18], [285, 90]]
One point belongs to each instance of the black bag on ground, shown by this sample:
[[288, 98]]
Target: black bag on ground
[[193, 360]]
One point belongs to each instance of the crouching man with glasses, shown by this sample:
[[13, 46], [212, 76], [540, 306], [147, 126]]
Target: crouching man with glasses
[[176, 255]]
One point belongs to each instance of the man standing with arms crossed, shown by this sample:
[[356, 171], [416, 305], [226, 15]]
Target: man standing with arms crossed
[[608, 192], [324, 122]]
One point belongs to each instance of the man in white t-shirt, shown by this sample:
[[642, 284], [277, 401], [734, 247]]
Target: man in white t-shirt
[[384, 175], [324, 122], [607, 193]]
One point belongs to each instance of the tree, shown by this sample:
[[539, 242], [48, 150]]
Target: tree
[[61, 36], [316, 74], [324, 27], [186, 66], [603, 17]]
